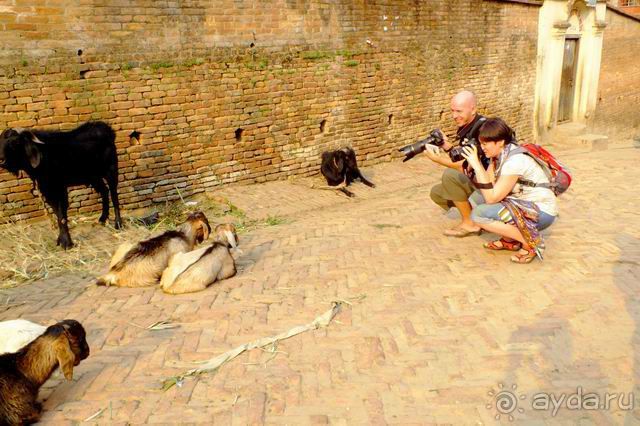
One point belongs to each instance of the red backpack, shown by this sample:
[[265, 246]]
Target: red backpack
[[558, 174]]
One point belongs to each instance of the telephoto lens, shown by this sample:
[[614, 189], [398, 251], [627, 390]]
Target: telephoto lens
[[435, 138]]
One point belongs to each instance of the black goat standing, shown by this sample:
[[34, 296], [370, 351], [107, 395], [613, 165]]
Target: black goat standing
[[57, 160], [339, 167]]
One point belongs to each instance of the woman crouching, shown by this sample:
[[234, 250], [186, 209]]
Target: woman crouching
[[512, 201]]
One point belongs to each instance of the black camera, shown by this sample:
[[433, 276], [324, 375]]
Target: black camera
[[455, 153], [435, 138]]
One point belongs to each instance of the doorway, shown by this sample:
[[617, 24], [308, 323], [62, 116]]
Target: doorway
[[568, 79]]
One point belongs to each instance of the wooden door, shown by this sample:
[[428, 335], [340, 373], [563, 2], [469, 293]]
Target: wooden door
[[568, 83]]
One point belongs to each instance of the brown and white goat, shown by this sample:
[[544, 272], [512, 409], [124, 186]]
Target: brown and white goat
[[198, 269], [22, 373], [142, 264]]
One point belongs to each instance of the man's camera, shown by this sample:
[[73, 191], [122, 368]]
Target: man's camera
[[456, 152], [435, 138]]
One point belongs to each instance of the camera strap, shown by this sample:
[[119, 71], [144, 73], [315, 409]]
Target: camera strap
[[470, 134], [476, 126], [483, 185]]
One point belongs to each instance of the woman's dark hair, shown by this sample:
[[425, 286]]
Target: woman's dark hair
[[495, 129]]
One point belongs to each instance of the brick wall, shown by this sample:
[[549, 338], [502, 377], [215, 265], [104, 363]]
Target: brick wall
[[617, 109], [248, 91], [631, 7]]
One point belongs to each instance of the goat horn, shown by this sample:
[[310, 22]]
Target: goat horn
[[35, 139]]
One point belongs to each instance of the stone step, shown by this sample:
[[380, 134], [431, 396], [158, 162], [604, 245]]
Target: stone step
[[587, 141], [568, 130]]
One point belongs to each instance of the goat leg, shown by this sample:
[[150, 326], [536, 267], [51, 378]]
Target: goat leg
[[101, 189], [340, 188], [112, 181], [346, 192], [366, 182], [60, 208], [357, 174], [31, 413], [364, 179]]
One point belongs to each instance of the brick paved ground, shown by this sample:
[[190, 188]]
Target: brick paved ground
[[435, 323]]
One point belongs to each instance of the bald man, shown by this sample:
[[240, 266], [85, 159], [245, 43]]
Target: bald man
[[456, 186]]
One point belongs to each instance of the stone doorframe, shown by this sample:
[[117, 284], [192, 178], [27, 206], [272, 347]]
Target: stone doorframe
[[559, 18]]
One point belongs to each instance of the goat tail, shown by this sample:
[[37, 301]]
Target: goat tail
[[106, 280]]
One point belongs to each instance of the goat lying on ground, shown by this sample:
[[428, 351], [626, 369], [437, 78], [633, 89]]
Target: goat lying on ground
[[198, 269], [15, 334], [56, 160], [22, 373], [141, 264], [341, 168]]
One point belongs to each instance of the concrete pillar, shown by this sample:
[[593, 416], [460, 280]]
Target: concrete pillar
[[557, 19]]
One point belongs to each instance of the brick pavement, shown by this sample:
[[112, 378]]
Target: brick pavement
[[434, 325]]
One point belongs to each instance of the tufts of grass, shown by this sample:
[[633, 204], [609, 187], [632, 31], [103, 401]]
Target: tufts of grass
[[275, 220], [158, 65], [193, 61], [315, 55]]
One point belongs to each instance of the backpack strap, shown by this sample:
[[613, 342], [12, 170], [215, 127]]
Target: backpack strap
[[525, 182], [512, 151]]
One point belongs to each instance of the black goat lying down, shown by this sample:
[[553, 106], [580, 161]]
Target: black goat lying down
[[340, 167], [57, 160]]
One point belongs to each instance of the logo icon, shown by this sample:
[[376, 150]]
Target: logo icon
[[505, 401]]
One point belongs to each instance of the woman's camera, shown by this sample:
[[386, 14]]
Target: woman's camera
[[456, 152], [435, 138]]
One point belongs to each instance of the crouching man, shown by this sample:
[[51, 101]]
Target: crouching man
[[458, 179]]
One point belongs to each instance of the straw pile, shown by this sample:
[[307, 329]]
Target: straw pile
[[28, 251]]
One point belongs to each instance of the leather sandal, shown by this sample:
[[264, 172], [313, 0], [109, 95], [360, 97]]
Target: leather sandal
[[503, 245], [524, 257]]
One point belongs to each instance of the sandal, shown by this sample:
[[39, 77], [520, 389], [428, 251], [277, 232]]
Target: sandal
[[526, 257], [503, 245]]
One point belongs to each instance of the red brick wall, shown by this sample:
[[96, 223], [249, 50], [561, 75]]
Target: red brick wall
[[618, 108], [187, 78], [633, 10]]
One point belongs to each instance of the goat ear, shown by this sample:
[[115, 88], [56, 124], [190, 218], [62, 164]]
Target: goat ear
[[231, 237], [33, 154], [64, 354], [205, 230]]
